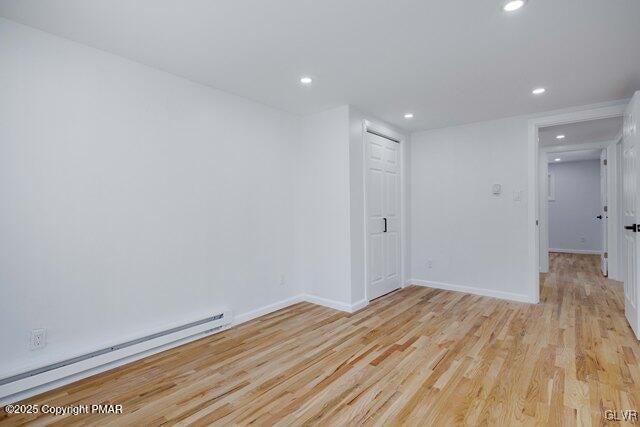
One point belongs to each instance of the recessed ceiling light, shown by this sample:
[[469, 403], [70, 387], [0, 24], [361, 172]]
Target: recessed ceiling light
[[557, 160], [306, 80], [538, 91], [560, 137], [408, 116], [512, 5]]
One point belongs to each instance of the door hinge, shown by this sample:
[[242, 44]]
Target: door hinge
[[604, 162], [606, 254], [606, 208]]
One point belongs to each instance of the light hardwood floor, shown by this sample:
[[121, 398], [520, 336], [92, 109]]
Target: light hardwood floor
[[418, 356]]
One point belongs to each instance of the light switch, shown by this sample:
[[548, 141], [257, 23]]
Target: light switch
[[496, 189]]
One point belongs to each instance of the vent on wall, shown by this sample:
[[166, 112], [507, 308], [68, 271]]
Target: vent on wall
[[55, 371]]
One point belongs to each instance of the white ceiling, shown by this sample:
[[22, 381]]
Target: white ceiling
[[575, 156], [449, 62], [582, 132]]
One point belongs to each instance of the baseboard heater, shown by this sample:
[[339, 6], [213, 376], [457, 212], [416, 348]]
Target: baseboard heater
[[36, 377]]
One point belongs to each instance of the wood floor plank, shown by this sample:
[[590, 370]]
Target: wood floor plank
[[418, 356]]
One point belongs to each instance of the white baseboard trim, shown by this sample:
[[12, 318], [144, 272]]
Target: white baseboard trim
[[336, 305], [475, 291], [267, 309], [359, 305], [575, 251]]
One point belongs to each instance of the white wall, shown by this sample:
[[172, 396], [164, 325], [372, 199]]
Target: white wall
[[133, 199], [577, 203], [322, 209], [477, 242]]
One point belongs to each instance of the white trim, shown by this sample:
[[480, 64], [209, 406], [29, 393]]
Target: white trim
[[533, 154], [401, 139], [543, 212], [336, 305], [551, 186], [576, 251], [577, 147], [613, 204], [510, 296], [268, 309], [383, 130], [359, 305], [617, 229]]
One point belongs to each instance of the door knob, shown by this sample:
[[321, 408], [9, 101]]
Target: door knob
[[632, 227], [599, 217]]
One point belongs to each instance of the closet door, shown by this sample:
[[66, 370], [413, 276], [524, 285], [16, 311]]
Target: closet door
[[383, 215]]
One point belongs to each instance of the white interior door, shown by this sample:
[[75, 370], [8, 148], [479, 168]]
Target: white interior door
[[604, 212], [383, 215], [630, 177]]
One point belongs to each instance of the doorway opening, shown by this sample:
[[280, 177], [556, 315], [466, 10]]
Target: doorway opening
[[578, 204], [577, 210]]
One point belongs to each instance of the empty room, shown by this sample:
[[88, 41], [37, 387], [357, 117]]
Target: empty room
[[298, 212]]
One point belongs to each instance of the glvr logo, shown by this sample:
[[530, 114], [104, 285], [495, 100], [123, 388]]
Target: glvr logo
[[628, 415]]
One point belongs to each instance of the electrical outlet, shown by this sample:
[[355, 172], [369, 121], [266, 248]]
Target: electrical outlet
[[583, 240], [38, 339], [429, 263], [282, 280]]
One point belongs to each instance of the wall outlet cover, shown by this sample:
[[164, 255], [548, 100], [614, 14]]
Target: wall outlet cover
[[38, 339]]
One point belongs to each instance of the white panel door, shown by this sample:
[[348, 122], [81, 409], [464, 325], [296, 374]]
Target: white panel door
[[383, 215], [630, 221], [604, 214]]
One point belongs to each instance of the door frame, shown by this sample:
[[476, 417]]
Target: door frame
[[617, 152], [369, 126], [608, 200], [533, 153]]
